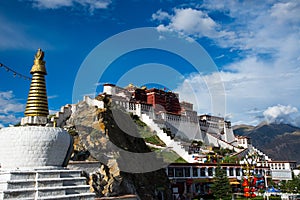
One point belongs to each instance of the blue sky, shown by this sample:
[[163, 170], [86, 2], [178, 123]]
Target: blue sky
[[255, 47]]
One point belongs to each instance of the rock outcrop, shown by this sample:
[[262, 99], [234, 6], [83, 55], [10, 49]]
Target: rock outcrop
[[110, 136]]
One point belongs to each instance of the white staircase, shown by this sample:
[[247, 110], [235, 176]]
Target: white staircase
[[60, 184], [259, 152], [174, 145]]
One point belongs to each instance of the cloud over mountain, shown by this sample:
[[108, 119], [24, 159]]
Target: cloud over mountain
[[281, 114]]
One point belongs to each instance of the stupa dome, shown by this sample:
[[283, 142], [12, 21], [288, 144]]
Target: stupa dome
[[33, 146]]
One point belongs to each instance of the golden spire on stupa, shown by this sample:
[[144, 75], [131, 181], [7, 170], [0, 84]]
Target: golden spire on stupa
[[37, 101]]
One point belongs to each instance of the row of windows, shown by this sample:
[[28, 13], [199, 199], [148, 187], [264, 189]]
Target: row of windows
[[172, 117], [204, 171], [196, 172], [211, 125], [274, 165], [242, 141], [277, 166]]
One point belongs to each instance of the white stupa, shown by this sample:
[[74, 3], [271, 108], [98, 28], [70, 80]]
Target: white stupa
[[33, 156]]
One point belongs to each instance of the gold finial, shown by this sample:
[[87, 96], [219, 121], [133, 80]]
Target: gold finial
[[37, 102], [39, 55], [39, 63]]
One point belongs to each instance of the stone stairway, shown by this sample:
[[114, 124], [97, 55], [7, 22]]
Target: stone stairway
[[61, 117], [259, 152], [175, 145], [44, 184]]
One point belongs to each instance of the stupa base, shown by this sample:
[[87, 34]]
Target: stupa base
[[55, 183]]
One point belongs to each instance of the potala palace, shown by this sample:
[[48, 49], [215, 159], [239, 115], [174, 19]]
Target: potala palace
[[179, 126]]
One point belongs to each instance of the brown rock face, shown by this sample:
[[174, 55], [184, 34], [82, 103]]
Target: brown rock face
[[107, 135]]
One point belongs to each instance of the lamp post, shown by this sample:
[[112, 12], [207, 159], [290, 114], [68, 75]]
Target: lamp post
[[248, 164]]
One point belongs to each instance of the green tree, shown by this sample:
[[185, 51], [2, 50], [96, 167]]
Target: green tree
[[221, 188], [230, 159], [292, 186]]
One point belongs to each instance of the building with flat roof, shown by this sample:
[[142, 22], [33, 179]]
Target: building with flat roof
[[194, 179]]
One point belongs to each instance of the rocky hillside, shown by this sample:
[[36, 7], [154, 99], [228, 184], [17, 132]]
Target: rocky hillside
[[279, 141], [111, 137]]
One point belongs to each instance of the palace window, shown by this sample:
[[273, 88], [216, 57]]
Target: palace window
[[195, 172], [187, 172], [210, 171], [230, 171], [171, 172], [179, 172], [238, 171], [202, 171]]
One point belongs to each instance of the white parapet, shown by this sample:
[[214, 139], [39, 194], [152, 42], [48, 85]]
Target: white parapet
[[109, 89], [34, 120], [93, 102], [33, 146]]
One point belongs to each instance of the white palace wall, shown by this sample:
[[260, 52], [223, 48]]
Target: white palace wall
[[182, 126]]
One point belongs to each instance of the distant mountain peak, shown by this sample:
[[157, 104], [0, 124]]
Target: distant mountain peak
[[276, 124], [265, 136]]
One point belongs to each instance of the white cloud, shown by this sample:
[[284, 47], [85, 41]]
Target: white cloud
[[9, 108], [257, 28], [160, 16], [260, 28], [280, 114], [193, 22], [220, 56], [52, 3], [286, 11], [52, 96], [55, 4], [190, 21], [162, 28], [249, 85], [6, 95], [266, 70], [9, 119], [8, 104]]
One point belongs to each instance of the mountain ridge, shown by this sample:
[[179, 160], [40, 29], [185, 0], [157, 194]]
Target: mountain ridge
[[278, 141]]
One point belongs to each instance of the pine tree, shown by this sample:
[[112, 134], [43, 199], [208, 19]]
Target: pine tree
[[221, 188]]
